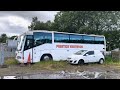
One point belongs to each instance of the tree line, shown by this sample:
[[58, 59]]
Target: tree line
[[105, 23]]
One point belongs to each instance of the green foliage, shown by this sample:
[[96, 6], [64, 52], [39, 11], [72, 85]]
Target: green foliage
[[3, 38], [50, 65], [11, 61], [12, 37], [110, 60], [85, 21], [38, 25]]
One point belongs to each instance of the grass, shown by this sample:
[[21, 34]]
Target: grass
[[60, 65], [50, 65], [11, 61], [43, 65], [110, 61]]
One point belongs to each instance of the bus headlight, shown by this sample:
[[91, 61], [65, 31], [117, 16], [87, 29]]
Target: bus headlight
[[19, 57]]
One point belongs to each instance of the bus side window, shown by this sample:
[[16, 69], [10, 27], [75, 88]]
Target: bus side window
[[88, 39], [42, 38], [99, 40]]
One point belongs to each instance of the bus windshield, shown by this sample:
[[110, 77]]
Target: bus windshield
[[20, 41]]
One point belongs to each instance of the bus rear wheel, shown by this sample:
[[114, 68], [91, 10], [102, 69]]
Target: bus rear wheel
[[46, 57]]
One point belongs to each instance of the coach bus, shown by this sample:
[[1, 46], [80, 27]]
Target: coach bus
[[43, 45]]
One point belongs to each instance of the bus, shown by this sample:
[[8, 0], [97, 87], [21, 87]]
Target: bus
[[43, 45]]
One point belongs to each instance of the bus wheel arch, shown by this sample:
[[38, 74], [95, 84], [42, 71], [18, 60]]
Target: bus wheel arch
[[46, 57]]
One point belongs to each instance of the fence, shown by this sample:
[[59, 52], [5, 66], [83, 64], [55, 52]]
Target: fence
[[6, 52], [115, 55], [2, 54]]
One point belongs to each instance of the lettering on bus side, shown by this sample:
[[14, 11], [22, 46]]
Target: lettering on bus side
[[76, 46], [62, 46], [69, 46]]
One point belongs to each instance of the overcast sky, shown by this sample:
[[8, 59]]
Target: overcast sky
[[17, 22]]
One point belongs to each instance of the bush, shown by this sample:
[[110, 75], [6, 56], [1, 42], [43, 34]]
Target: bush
[[110, 60]]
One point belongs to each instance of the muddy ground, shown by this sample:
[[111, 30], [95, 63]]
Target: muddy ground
[[88, 71]]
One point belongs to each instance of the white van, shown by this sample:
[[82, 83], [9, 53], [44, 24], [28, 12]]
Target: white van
[[86, 56]]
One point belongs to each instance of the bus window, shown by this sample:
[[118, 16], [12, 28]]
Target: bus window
[[88, 39], [99, 40], [20, 42], [64, 38], [75, 39], [28, 42], [42, 38]]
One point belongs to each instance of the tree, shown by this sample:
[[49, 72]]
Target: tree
[[90, 22], [3, 38], [86, 21], [12, 37], [112, 38], [38, 25]]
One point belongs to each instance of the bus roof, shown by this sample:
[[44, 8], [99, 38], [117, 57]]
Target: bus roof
[[31, 32]]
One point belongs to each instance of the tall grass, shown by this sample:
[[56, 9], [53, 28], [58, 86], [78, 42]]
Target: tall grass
[[11, 61], [110, 60], [59, 65], [43, 65], [50, 65]]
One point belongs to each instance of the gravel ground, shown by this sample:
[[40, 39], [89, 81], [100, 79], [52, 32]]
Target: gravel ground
[[71, 72]]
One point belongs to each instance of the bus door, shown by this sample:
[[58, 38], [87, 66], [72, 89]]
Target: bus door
[[36, 54], [28, 49], [36, 49]]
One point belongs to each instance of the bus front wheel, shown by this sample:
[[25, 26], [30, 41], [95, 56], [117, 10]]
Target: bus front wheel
[[46, 57]]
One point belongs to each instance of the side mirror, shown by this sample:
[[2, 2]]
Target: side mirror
[[86, 54]]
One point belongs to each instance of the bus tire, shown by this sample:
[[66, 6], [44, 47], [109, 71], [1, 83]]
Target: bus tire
[[46, 57]]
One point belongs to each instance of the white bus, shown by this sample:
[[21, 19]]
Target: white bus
[[42, 45]]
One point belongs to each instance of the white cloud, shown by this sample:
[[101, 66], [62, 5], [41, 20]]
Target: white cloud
[[42, 15], [13, 24], [17, 22]]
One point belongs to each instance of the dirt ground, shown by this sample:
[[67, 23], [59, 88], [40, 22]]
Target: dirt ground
[[91, 71]]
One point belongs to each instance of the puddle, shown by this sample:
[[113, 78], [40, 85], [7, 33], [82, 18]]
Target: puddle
[[9, 77], [89, 75], [55, 76], [42, 76]]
